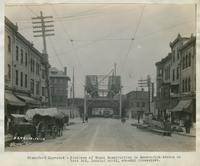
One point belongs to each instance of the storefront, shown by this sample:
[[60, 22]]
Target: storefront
[[30, 102], [183, 109], [13, 105]]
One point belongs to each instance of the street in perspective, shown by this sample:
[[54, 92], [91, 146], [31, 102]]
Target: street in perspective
[[100, 77]]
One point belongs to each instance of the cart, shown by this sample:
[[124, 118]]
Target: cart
[[48, 122]]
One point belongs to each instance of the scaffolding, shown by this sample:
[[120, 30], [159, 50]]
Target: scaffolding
[[101, 89]]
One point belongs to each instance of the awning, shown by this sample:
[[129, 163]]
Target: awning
[[28, 100], [183, 105], [17, 115], [12, 100]]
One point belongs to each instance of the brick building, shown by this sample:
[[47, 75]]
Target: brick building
[[138, 102], [25, 81], [176, 79], [58, 87]]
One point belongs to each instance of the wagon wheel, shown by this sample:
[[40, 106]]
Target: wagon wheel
[[40, 130]]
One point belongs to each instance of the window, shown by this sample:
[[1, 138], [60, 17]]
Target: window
[[21, 79], [189, 84], [37, 68], [178, 53], [17, 53], [43, 74], [189, 58], [177, 73], [26, 81], [9, 72], [32, 86], [173, 56], [186, 61], [183, 62], [160, 72], [16, 78], [43, 89], [138, 104], [183, 85], [186, 84], [173, 74], [143, 104], [9, 44], [33, 66], [37, 87], [22, 56], [26, 59]]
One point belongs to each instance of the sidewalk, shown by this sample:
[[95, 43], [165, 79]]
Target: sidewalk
[[76, 120], [192, 133]]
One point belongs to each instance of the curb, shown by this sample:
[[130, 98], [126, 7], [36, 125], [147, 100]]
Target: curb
[[182, 134]]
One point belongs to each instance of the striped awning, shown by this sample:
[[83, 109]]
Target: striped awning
[[28, 100], [12, 100], [183, 105]]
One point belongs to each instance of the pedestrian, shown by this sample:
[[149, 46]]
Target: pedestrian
[[86, 118], [187, 124], [138, 117]]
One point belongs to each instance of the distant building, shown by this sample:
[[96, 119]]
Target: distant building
[[163, 82], [138, 102], [58, 87]]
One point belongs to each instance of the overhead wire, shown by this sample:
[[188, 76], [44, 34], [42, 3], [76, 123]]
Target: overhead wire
[[69, 38], [52, 46], [133, 38], [55, 52]]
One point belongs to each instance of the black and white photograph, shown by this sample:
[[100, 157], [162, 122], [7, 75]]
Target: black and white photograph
[[96, 77]]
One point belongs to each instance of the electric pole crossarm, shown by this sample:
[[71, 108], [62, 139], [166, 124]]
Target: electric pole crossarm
[[46, 26], [46, 30], [40, 17], [40, 30]]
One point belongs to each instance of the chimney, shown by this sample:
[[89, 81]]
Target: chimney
[[65, 70]]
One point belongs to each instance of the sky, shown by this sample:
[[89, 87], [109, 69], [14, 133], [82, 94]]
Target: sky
[[92, 37]]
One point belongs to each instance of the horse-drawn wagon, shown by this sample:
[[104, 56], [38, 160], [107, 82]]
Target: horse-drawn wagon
[[46, 121]]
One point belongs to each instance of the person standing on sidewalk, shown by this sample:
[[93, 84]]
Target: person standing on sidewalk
[[86, 118], [187, 124]]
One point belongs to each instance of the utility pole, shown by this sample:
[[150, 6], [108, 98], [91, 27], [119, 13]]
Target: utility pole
[[115, 69], [120, 102], [85, 104], [146, 83], [73, 93], [41, 29], [149, 90]]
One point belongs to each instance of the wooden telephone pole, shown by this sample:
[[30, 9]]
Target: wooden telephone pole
[[146, 83], [41, 29]]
